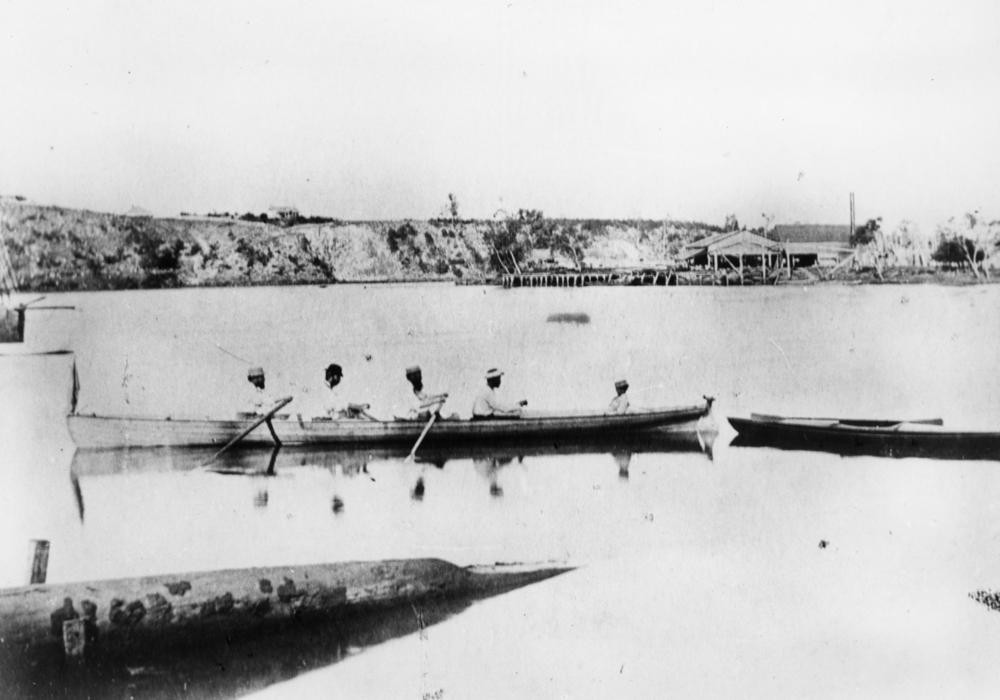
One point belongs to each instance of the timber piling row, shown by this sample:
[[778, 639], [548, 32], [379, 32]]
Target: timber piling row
[[628, 278], [646, 278]]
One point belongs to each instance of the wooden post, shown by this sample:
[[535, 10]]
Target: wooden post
[[763, 259], [20, 322], [39, 561], [741, 269]]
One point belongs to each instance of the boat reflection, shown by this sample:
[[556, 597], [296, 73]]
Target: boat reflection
[[488, 461], [624, 461], [899, 447], [354, 461]]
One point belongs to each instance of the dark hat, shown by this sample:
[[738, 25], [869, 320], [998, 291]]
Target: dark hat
[[414, 370], [621, 384], [334, 369]]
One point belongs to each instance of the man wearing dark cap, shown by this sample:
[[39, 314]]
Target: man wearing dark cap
[[425, 403], [619, 404], [489, 405], [333, 405]]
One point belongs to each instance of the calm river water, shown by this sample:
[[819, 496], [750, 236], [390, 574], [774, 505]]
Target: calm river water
[[701, 571]]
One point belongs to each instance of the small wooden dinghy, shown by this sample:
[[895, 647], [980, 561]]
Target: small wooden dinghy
[[925, 437]]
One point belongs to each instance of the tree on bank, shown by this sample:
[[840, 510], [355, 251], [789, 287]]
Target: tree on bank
[[867, 232], [968, 242]]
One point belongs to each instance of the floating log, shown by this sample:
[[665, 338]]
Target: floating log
[[182, 608]]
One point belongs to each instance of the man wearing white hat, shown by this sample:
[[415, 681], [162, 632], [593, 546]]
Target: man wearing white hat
[[259, 401], [619, 404], [489, 405]]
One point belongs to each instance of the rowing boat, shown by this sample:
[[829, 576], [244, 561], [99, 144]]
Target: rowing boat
[[93, 431], [891, 438]]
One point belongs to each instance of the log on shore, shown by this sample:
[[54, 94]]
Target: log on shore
[[126, 613]]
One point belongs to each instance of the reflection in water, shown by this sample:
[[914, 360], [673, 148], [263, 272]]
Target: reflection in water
[[624, 461], [223, 666], [260, 499], [489, 468], [77, 493], [899, 446], [353, 461], [489, 461]]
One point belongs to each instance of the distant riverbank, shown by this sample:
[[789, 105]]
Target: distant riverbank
[[59, 249]]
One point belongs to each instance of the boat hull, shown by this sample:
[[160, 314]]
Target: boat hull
[[117, 431], [899, 440]]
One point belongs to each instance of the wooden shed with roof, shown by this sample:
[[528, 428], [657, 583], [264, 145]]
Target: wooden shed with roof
[[735, 250]]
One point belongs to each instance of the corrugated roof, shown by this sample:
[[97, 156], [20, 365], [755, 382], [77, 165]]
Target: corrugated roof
[[732, 243], [705, 242], [812, 233]]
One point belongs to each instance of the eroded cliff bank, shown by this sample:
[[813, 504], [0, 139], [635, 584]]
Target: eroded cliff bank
[[56, 248]]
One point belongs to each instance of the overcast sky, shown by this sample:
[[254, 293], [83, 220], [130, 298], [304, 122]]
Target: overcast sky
[[368, 110]]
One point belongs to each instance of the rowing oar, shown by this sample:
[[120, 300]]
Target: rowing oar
[[409, 458], [434, 414], [266, 418]]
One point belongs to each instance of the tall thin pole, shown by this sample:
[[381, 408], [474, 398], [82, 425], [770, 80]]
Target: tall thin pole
[[852, 216]]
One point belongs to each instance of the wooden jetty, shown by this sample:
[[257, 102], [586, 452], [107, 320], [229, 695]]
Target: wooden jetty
[[621, 278], [717, 276], [98, 617]]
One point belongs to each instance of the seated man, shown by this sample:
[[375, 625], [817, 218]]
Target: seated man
[[333, 406], [619, 404], [424, 403], [259, 401], [489, 405]]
